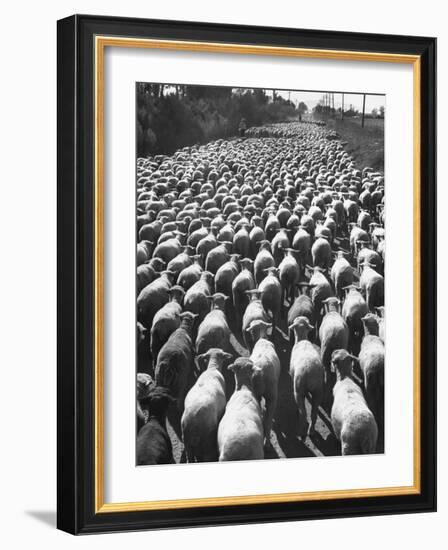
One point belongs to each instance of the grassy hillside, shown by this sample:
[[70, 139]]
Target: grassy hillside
[[366, 144]]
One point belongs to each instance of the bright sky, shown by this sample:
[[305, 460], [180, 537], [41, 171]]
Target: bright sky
[[312, 98]]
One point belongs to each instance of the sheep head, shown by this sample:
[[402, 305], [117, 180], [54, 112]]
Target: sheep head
[[213, 358], [259, 329], [157, 401], [168, 274], [197, 259], [176, 293], [264, 245], [253, 294], [242, 369], [219, 300], [208, 277], [301, 327], [157, 263], [187, 319], [145, 384], [273, 271], [370, 322], [331, 304], [235, 258], [342, 363], [246, 263]]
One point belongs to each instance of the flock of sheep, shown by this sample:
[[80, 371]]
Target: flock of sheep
[[260, 262]]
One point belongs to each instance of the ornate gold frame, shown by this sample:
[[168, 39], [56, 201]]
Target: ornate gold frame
[[101, 42]]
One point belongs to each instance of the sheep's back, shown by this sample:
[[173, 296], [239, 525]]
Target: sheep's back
[[254, 311], [333, 329], [152, 298], [240, 432], [206, 401], [167, 317], [153, 445], [302, 307], [354, 309], [306, 366], [371, 355], [178, 346]]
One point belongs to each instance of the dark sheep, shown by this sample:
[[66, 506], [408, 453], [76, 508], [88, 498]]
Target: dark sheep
[[153, 297], [243, 282], [153, 442], [196, 297], [175, 359]]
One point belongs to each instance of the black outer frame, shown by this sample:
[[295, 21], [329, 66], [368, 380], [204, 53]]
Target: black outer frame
[[75, 403]]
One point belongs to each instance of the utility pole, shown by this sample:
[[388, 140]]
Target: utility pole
[[363, 109]]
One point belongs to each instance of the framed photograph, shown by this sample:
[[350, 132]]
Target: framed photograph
[[233, 344]]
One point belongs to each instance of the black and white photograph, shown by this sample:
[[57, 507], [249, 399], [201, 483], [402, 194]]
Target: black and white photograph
[[260, 273]]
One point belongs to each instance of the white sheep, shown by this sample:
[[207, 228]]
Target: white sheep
[[214, 331], [341, 274], [371, 360], [381, 323], [307, 373], [240, 432], [254, 311], [372, 284], [333, 334], [266, 372], [205, 404], [353, 422]]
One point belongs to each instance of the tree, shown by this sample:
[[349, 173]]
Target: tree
[[302, 108], [382, 111], [260, 96], [375, 113], [318, 108]]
